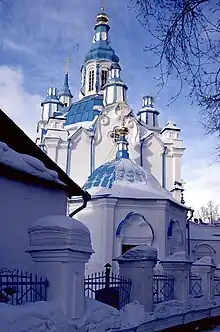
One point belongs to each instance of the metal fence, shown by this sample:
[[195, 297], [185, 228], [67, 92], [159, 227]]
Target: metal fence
[[216, 285], [195, 285], [163, 287], [108, 288], [18, 287]]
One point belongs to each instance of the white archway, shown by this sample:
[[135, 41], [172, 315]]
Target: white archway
[[202, 250], [132, 231], [175, 237]]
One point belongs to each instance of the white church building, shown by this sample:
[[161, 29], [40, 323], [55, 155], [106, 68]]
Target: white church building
[[129, 164]]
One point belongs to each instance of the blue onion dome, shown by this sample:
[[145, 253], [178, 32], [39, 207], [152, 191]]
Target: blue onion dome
[[123, 178], [101, 49]]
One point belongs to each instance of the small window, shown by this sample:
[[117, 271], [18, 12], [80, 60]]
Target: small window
[[91, 80], [104, 77]]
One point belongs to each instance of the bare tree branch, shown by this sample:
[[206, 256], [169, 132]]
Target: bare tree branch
[[186, 44]]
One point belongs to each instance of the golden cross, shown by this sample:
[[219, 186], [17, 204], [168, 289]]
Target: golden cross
[[102, 5], [67, 64]]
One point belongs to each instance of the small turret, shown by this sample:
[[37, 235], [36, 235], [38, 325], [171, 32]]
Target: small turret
[[65, 94], [115, 91], [51, 106], [148, 114]]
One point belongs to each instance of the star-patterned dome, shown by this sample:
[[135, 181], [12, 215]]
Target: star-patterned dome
[[123, 178]]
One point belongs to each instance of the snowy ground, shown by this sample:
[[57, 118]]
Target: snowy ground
[[47, 316]]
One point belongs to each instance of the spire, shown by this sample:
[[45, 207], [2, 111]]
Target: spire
[[122, 141], [115, 91], [100, 48], [65, 94]]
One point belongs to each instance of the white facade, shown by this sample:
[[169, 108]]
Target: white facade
[[117, 225], [83, 136]]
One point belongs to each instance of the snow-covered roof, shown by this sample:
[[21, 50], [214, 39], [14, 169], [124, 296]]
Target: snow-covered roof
[[170, 125], [26, 164], [123, 178]]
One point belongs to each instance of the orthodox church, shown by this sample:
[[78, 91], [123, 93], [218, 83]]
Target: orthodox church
[[129, 164]]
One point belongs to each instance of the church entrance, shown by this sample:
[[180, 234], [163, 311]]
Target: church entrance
[[126, 247], [134, 230]]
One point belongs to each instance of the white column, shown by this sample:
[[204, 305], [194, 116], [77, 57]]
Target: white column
[[179, 265], [61, 246], [205, 268], [138, 265], [52, 145]]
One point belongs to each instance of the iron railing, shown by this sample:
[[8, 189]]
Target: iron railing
[[195, 285], [108, 288], [163, 287], [22, 287], [216, 285]]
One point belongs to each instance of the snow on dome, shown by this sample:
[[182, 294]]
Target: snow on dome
[[26, 164], [180, 256], [206, 261], [61, 222], [142, 252], [124, 178], [59, 231]]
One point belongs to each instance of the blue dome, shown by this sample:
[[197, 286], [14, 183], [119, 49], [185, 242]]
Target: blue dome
[[101, 50], [108, 174], [123, 178]]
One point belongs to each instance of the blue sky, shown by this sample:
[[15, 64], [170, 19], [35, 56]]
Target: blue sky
[[36, 38]]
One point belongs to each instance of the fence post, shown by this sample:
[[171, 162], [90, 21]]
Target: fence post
[[178, 265], [138, 265], [205, 268], [61, 246], [107, 275]]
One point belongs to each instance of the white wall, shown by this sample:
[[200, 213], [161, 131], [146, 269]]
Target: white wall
[[103, 216], [205, 239], [21, 204]]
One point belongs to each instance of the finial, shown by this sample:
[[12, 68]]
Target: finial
[[102, 5], [123, 131], [67, 65]]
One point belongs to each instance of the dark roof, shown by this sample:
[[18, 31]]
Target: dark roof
[[17, 140], [83, 110]]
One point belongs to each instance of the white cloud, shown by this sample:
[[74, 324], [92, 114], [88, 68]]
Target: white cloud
[[22, 107], [201, 172]]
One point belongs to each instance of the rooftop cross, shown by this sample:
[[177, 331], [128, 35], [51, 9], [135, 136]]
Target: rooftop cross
[[102, 5], [67, 65]]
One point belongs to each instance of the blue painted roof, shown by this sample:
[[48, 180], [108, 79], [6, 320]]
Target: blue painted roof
[[83, 110], [122, 169]]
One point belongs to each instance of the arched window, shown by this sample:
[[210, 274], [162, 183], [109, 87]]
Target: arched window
[[91, 79], [175, 237], [202, 250], [104, 77]]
